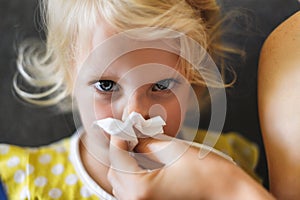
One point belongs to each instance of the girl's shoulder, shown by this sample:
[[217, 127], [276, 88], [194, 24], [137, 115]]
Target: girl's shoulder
[[46, 172], [26, 171], [14, 156]]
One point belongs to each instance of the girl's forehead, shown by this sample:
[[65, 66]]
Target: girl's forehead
[[148, 37], [101, 33], [147, 56], [142, 63], [119, 50]]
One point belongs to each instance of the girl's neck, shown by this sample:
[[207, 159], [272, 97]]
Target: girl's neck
[[93, 163]]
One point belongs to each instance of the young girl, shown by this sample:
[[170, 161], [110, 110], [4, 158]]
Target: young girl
[[132, 65]]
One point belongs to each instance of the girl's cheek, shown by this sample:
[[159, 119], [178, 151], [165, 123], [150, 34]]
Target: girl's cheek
[[102, 111], [174, 120]]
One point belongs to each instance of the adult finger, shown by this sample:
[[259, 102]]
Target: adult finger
[[163, 148], [120, 157], [125, 175]]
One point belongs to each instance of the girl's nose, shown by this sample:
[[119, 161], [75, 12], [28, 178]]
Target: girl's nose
[[139, 102]]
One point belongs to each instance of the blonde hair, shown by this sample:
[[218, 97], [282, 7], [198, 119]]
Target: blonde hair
[[47, 66]]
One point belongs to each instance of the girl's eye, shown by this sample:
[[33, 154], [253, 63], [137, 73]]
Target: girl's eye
[[165, 84], [106, 86]]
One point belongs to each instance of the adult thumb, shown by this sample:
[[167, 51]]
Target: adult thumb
[[120, 157], [162, 148], [129, 162]]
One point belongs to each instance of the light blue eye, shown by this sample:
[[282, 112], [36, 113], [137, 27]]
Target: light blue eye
[[106, 86], [165, 84]]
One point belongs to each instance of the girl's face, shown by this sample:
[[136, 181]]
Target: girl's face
[[147, 81]]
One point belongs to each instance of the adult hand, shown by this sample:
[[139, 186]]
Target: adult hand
[[187, 177]]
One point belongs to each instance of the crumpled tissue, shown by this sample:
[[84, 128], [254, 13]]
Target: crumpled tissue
[[132, 128]]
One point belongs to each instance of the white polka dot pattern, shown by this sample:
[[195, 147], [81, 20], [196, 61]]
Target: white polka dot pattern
[[85, 192], [71, 179], [59, 149], [44, 159], [40, 181], [55, 193], [13, 161], [19, 176], [57, 169], [4, 149], [42, 173]]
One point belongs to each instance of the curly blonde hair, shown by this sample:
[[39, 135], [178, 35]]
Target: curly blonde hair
[[46, 66]]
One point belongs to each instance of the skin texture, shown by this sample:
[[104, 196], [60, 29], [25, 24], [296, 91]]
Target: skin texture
[[136, 77], [189, 177], [211, 177], [279, 108]]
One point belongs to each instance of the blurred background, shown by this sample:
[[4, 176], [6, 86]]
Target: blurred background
[[27, 125]]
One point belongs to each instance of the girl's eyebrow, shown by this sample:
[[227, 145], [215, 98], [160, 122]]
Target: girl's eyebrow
[[96, 73], [109, 73], [112, 78]]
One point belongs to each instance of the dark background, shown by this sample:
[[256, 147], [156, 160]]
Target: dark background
[[27, 125]]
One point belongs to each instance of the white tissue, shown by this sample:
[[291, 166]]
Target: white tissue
[[125, 129]]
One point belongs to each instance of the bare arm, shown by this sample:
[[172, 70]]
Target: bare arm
[[189, 177], [279, 107]]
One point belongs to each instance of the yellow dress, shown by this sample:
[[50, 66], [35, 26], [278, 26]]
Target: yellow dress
[[55, 171], [49, 172]]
